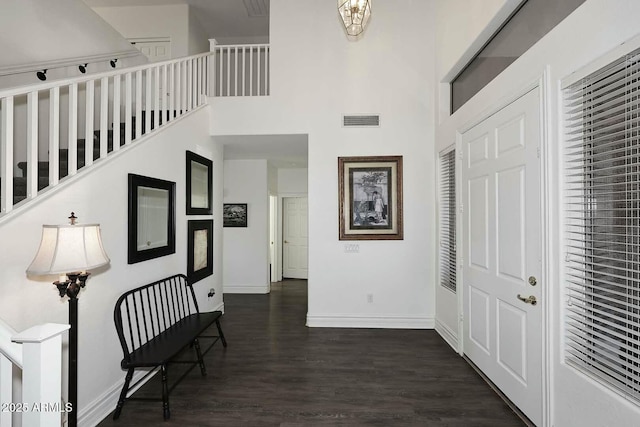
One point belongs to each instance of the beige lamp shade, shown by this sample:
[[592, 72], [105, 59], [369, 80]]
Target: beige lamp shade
[[69, 248], [355, 15]]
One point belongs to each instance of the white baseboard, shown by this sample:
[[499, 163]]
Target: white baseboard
[[247, 289], [102, 406], [447, 334], [377, 322]]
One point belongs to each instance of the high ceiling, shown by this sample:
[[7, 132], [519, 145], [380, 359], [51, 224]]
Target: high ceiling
[[230, 21], [237, 21]]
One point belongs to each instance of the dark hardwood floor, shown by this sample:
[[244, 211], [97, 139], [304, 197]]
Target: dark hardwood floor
[[278, 372]]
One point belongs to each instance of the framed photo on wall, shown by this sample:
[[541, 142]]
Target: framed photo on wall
[[199, 181], [152, 218], [370, 198], [199, 249], [234, 215]]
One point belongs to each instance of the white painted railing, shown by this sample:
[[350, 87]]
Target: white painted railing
[[241, 70], [49, 131], [38, 353]]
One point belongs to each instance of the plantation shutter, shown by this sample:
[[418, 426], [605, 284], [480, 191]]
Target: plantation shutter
[[448, 220], [602, 223]]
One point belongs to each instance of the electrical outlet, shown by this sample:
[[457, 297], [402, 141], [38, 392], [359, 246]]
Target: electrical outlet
[[211, 293], [370, 298], [351, 248]]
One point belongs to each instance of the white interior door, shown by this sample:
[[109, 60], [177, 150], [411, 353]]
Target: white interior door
[[154, 49], [501, 251], [294, 238]]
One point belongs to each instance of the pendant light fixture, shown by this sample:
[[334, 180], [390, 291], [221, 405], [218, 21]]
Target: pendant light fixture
[[355, 15]]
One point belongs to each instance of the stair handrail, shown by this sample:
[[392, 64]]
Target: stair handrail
[[35, 87], [8, 348]]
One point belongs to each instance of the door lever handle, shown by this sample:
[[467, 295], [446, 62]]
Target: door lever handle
[[528, 300]]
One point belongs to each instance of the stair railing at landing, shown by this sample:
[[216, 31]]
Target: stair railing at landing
[[36, 353]]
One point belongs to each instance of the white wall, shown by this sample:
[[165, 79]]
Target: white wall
[[246, 250], [173, 21], [100, 196], [198, 39], [58, 34], [292, 181], [594, 29], [389, 71]]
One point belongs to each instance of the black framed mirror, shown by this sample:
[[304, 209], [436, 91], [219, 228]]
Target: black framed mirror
[[199, 181], [152, 218]]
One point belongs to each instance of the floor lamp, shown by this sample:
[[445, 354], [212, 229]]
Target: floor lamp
[[70, 250]]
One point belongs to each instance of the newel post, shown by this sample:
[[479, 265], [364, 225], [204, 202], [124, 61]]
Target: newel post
[[42, 374], [211, 90]]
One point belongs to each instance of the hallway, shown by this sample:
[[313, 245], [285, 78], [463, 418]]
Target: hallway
[[278, 372]]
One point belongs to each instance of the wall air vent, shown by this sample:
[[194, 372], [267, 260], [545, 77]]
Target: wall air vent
[[361, 120]]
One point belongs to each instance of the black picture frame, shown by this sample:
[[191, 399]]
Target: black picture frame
[[151, 218], [234, 215], [199, 258], [370, 198], [199, 181]]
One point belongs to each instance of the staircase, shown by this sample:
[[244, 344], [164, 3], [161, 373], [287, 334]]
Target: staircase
[[137, 100], [20, 182]]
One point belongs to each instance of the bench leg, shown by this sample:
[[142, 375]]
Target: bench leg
[[203, 369], [123, 394], [224, 342], [165, 393]]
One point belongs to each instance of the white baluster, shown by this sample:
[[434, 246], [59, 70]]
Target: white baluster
[[88, 132], [259, 70], [128, 108], [172, 91], [32, 144], [54, 136], [6, 155], [244, 66], [267, 83], [164, 89], [116, 112], [6, 386], [156, 95], [72, 148], [251, 71], [138, 103], [148, 108], [104, 117]]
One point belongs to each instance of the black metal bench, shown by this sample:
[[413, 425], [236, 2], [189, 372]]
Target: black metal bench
[[155, 322]]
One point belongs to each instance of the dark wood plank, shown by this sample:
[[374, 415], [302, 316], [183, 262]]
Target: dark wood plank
[[278, 372]]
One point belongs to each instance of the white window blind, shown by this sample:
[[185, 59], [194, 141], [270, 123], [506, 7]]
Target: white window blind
[[602, 219], [448, 220]]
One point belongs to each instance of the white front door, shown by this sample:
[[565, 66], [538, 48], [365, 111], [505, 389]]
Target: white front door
[[294, 237], [501, 251]]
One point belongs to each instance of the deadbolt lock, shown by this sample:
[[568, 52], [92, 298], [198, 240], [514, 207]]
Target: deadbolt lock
[[528, 300], [533, 281]]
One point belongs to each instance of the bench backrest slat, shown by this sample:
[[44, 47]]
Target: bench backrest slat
[[144, 312]]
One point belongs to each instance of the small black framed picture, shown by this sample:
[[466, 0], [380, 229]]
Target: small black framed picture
[[199, 182], [234, 215], [200, 249]]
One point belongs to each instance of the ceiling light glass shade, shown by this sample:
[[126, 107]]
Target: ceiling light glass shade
[[69, 248], [355, 15]]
